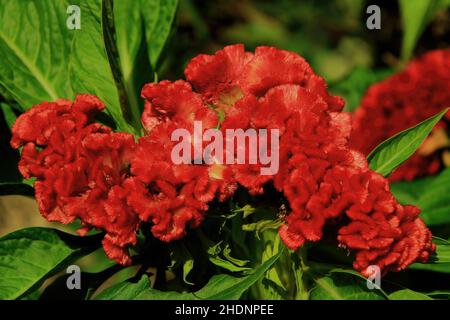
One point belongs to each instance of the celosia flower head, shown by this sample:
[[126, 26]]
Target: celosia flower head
[[80, 169]]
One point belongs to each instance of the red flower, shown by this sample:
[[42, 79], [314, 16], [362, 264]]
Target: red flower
[[233, 72], [175, 102], [174, 196], [320, 175], [383, 232], [401, 101], [80, 169]]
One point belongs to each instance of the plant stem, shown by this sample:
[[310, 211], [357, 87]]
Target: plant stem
[[300, 267]]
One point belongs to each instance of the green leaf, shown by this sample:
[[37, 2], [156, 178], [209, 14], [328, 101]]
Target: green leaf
[[91, 69], [431, 195], [8, 114], [89, 283], [439, 294], [29, 256], [438, 263], [285, 274], [10, 177], [343, 287], [180, 255], [409, 192], [125, 290], [227, 262], [407, 294], [188, 265], [219, 287], [358, 275], [416, 14], [158, 19], [435, 200], [42, 60], [394, 151], [31, 45], [227, 254], [132, 51], [262, 225]]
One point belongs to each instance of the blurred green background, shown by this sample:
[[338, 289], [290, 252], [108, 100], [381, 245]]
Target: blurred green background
[[331, 35]]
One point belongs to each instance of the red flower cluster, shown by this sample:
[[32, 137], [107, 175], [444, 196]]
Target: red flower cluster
[[81, 169], [175, 196], [112, 183], [319, 174], [404, 100]]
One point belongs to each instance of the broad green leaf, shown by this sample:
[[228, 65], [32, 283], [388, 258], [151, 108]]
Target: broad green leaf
[[219, 287], [34, 50], [93, 68], [407, 294], [431, 195], [416, 14], [132, 51], [29, 256], [343, 287], [43, 60], [158, 19], [394, 151], [357, 275]]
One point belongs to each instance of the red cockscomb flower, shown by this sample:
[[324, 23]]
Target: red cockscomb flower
[[320, 175], [80, 169], [401, 101], [175, 195]]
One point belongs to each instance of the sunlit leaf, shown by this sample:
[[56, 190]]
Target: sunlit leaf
[[394, 151]]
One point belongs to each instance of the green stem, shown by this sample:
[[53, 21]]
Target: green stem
[[300, 267]]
